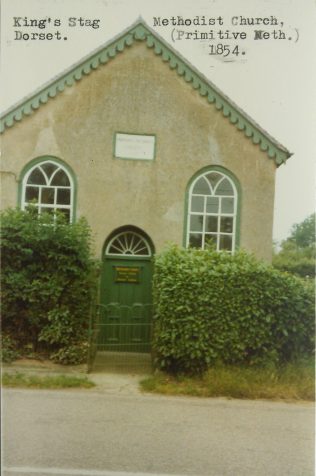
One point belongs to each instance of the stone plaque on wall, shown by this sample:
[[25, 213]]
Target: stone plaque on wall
[[134, 146]]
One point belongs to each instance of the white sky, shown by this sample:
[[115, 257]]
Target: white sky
[[274, 82]]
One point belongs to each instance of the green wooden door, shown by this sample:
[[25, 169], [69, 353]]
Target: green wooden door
[[126, 305]]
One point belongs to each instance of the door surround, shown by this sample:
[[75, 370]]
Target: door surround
[[128, 250], [125, 291]]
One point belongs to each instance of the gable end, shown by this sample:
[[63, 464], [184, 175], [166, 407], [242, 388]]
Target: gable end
[[141, 32]]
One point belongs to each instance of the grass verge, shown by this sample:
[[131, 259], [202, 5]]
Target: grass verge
[[290, 382], [48, 382]]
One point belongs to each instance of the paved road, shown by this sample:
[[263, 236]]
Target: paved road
[[88, 433]]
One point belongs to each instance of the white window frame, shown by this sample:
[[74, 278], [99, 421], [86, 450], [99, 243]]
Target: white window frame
[[55, 206], [219, 214], [129, 249]]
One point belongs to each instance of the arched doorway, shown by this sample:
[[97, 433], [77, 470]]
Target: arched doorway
[[126, 292]]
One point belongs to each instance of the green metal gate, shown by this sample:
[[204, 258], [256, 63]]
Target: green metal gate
[[122, 322], [115, 328], [123, 328]]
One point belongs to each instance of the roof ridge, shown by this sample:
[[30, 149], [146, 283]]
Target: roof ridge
[[140, 31]]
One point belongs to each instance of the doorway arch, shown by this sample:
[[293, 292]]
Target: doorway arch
[[126, 291]]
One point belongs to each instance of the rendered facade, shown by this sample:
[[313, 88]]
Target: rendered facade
[[148, 150]]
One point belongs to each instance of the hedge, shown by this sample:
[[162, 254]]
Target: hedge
[[48, 282], [215, 307]]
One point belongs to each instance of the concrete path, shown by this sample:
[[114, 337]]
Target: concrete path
[[111, 375], [127, 384]]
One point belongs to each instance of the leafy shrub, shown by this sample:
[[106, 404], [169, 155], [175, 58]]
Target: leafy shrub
[[9, 351], [72, 354], [213, 307], [297, 253], [48, 280], [299, 261]]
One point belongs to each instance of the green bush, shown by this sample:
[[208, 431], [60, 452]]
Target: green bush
[[72, 354], [9, 351], [298, 261], [48, 280], [213, 307], [298, 252]]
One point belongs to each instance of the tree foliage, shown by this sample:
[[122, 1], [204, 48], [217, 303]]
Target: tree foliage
[[297, 254], [303, 234], [212, 307], [48, 281]]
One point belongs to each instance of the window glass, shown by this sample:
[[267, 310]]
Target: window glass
[[31, 193], [196, 223], [60, 178], [196, 240], [212, 211], [211, 240], [37, 177], [128, 243], [211, 224], [226, 224], [212, 204], [213, 178], [49, 187], [48, 195], [49, 168], [63, 196], [224, 188], [201, 187], [225, 242], [197, 204], [227, 205]]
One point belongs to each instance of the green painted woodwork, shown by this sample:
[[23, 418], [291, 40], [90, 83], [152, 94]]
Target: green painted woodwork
[[126, 305], [224, 171], [140, 31]]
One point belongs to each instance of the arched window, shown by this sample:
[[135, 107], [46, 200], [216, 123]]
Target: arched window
[[49, 187], [212, 211], [128, 243]]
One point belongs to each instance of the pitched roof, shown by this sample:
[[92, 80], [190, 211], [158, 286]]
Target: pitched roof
[[140, 31]]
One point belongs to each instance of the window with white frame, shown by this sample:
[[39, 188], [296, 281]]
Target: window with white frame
[[49, 187], [128, 243], [212, 211]]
